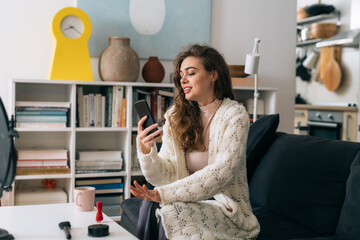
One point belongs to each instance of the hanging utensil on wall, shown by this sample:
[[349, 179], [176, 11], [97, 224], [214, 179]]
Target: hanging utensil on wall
[[301, 71], [317, 72], [325, 56], [311, 60], [332, 72]]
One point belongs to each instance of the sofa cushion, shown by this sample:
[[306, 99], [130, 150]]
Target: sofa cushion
[[261, 134], [130, 213], [349, 222], [274, 227], [303, 178]]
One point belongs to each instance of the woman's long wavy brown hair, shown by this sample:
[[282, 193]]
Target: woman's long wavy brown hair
[[185, 122]]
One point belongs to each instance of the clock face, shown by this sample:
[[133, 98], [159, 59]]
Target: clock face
[[72, 26]]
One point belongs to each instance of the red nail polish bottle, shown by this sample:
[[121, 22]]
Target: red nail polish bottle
[[99, 215]]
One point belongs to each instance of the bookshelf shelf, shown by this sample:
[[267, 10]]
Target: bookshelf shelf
[[75, 138]]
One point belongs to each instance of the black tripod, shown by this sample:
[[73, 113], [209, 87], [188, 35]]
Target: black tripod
[[7, 158]]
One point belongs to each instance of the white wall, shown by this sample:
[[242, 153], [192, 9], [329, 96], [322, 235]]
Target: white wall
[[25, 42], [235, 23], [26, 48]]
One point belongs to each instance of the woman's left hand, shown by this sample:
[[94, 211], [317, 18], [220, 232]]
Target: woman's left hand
[[144, 193]]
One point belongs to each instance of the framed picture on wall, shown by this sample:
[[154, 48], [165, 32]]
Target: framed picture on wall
[[155, 27]]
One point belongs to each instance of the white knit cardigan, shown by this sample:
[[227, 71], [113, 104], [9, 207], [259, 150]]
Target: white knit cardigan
[[185, 213]]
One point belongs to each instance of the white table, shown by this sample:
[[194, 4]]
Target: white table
[[42, 222]]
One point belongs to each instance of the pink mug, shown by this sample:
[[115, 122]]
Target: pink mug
[[84, 198]]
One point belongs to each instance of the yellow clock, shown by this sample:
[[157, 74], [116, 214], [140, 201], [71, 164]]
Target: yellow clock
[[70, 30]]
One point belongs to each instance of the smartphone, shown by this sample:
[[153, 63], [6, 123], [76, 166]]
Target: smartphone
[[142, 109]]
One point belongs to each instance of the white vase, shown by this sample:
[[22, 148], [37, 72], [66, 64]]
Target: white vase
[[119, 62]]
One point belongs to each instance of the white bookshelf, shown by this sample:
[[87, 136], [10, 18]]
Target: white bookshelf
[[75, 138]]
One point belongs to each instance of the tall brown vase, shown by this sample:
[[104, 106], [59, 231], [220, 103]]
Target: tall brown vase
[[119, 62], [153, 70]]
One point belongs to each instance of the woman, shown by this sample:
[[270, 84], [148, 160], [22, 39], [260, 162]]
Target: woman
[[202, 156]]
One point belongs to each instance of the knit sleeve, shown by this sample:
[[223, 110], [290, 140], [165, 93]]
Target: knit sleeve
[[158, 168], [212, 179]]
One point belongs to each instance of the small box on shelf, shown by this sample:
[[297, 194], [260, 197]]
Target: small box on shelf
[[243, 82]]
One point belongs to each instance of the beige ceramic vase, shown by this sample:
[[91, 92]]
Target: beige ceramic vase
[[153, 70], [119, 62]]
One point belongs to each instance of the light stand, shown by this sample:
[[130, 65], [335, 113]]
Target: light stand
[[251, 67]]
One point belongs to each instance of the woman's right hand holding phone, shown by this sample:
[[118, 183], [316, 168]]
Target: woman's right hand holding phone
[[147, 140]]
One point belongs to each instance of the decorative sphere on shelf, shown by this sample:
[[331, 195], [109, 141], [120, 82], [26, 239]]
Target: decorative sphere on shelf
[[153, 71]]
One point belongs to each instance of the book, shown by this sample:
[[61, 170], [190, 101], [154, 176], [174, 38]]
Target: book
[[80, 105], [113, 120], [99, 163], [91, 171], [42, 163], [135, 164], [109, 106], [159, 110], [166, 93], [109, 199], [44, 154], [116, 190], [104, 186], [106, 167], [123, 113], [100, 155], [91, 110], [86, 107], [98, 181], [39, 113], [119, 94], [41, 119], [41, 104], [103, 112], [98, 110], [153, 103], [40, 125], [47, 109], [42, 171]]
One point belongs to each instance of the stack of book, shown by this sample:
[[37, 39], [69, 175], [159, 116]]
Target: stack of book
[[109, 191], [98, 161], [45, 161], [41, 114], [104, 107]]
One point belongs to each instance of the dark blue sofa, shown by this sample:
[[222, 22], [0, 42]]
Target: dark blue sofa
[[301, 187]]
